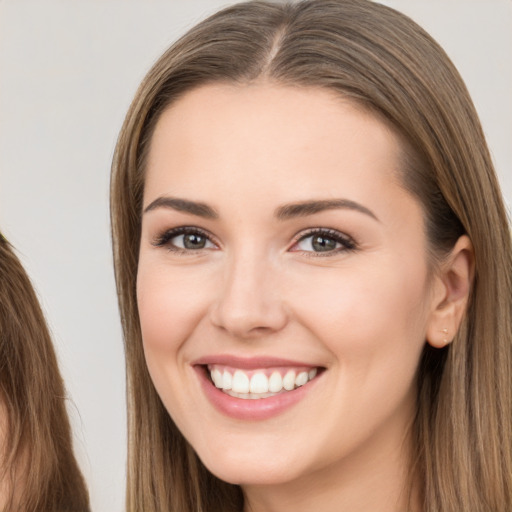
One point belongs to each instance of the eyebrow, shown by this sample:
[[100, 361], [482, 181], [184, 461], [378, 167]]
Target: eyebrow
[[285, 212], [183, 205], [306, 208]]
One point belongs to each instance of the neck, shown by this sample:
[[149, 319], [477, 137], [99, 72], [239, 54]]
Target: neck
[[377, 477]]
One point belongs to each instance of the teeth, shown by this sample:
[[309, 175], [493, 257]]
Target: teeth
[[301, 379], [227, 380], [249, 396], [217, 378], [275, 383], [258, 384], [289, 380], [240, 382]]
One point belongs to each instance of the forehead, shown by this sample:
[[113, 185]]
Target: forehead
[[259, 145], [283, 135], [261, 108], [247, 152]]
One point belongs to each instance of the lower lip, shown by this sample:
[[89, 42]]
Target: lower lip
[[247, 409]]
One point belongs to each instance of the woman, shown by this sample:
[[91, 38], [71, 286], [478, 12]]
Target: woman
[[313, 267], [38, 470]]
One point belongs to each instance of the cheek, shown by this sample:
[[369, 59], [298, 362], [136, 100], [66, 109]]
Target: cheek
[[359, 311], [170, 306]]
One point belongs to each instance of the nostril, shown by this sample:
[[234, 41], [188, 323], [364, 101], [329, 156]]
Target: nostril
[[248, 304], [249, 320]]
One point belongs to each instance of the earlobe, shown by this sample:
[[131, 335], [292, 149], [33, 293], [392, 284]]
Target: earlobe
[[451, 294]]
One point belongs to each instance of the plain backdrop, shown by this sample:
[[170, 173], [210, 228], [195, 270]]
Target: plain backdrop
[[68, 70]]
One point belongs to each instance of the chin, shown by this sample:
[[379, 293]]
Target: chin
[[243, 470]]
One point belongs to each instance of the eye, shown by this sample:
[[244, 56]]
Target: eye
[[192, 241], [185, 239], [326, 241]]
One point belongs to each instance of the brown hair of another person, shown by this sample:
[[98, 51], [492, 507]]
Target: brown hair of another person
[[38, 469]]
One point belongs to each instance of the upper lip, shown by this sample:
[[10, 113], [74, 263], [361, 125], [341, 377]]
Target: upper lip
[[249, 363]]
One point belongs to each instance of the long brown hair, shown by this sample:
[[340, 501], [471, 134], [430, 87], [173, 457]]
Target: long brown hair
[[385, 62], [37, 465]]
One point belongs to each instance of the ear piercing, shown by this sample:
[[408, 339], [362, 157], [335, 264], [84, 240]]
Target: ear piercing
[[445, 332]]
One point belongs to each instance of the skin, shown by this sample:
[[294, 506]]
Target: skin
[[362, 311]]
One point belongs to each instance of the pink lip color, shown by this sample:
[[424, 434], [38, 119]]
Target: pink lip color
[[249, 363], [250, 410]]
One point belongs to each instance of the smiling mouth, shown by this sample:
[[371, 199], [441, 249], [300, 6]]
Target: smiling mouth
[[259, 383]]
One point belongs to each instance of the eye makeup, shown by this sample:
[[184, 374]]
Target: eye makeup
[[185, 239], [312, 242], [323, 242]]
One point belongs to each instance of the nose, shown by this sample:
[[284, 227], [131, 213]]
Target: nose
[[249, 303]]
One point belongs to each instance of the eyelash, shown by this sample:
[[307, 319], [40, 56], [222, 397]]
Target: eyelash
[[164, 240], [347, 243]]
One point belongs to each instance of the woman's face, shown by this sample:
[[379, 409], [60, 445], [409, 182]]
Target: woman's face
[[281, 257]]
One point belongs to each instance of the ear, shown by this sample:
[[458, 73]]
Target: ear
[[451, 293]]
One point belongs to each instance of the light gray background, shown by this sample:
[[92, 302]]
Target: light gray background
[[68, 71]]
